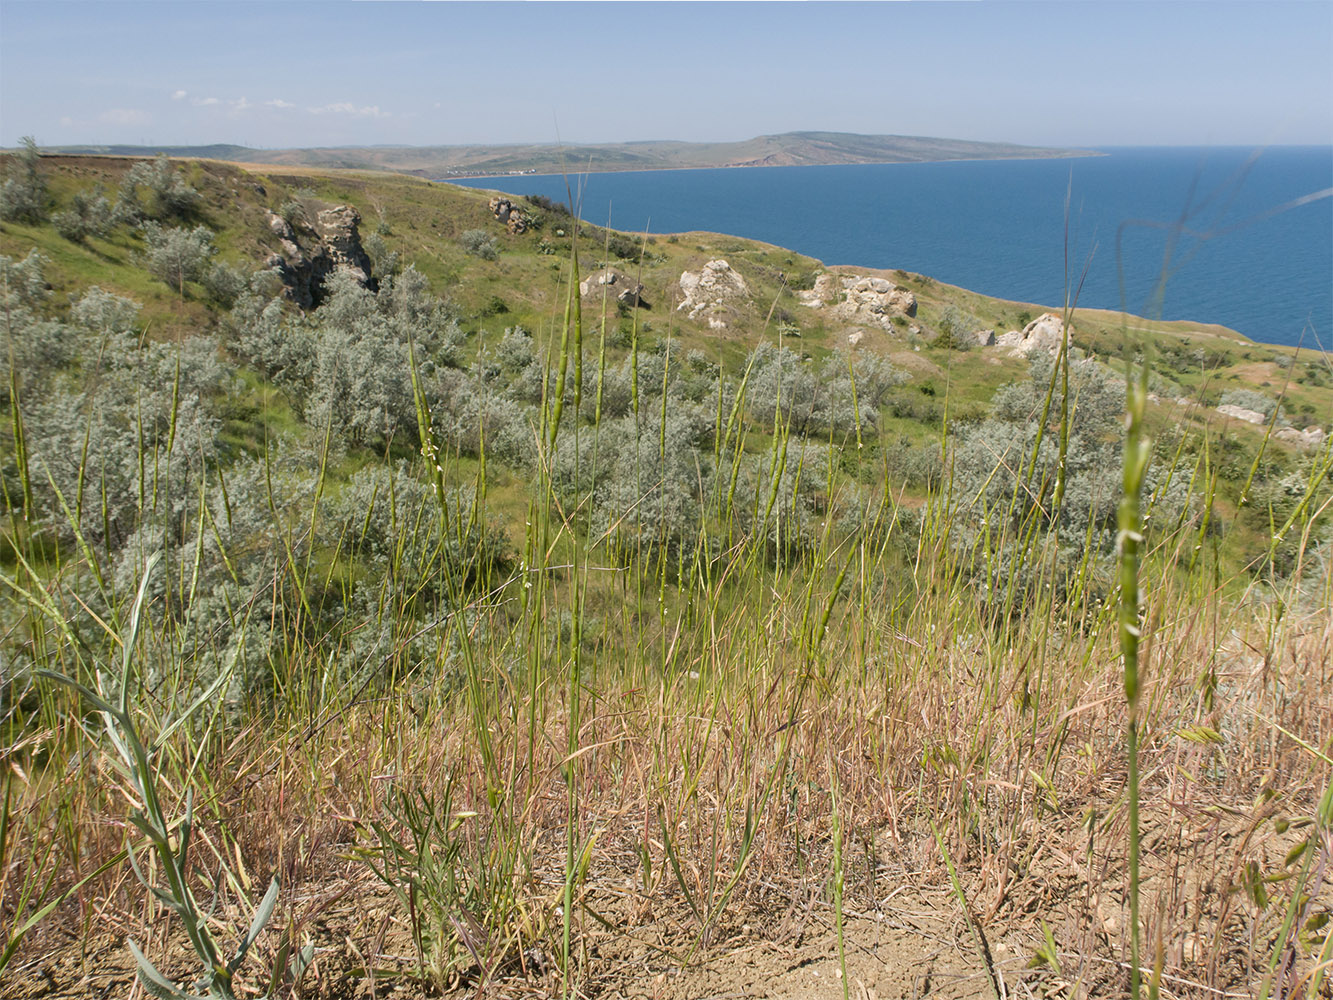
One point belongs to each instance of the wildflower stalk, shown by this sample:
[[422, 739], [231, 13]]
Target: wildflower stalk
[[1128, 540]]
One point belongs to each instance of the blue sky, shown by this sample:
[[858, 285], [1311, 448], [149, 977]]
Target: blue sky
[[333, 73]]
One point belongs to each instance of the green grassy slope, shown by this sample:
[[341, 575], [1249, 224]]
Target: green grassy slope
[[423, 221]]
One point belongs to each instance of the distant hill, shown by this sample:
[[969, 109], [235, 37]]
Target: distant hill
[[786, 150]]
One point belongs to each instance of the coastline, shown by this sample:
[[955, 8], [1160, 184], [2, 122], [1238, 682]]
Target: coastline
[[997, 225], [1071, 155]]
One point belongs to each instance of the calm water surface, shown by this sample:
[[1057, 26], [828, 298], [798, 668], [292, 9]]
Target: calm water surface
[[1216, 217]]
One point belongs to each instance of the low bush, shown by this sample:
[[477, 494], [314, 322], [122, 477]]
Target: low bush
[[480, 243]]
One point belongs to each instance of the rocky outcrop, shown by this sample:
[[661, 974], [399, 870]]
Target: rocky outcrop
[[826, 288], [711, 292], [1241, 413], [507, 212], [985, 338], [1311, 437], [332, 244], [337, 229], [281, 227], [1045, 333], [873, 302], [614, 285]]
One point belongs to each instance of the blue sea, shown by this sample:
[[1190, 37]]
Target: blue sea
[[1226, 225]]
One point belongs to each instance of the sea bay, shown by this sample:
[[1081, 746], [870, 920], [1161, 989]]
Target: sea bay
[[1236, 233]]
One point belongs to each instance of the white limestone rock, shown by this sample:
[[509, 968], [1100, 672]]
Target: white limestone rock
[[872, 301], [1311, 437], [711, 291], [1044, 333], [824, 291], [1241, 413]]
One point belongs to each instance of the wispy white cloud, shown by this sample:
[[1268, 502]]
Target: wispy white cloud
[[179, 95], [348, 108], [240, 105], [231, 105], [125, 116]]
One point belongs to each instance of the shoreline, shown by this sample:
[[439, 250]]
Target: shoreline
[[1073, 155], [963, 269]]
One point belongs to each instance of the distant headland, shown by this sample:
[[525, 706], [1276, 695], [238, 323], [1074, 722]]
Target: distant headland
[[789, 149]]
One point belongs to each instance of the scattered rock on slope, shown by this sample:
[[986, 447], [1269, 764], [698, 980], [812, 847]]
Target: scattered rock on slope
[[616, 285]]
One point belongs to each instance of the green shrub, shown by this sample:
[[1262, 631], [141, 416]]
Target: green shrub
[[958, 329], [1249, 399], [547, 204], [90, 214], [480, 243], [155, 190], [177, 255], [23, 194], [225, 283], [840, 396], [293, 212], [383, 261], [624, 247]]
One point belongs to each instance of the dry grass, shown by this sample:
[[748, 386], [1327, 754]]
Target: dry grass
[[922, 716]]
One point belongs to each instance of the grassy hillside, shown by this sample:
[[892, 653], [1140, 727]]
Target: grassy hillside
[[766, 632], [788, 149]]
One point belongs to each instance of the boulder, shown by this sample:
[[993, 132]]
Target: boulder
[[614, 284], [985, 338], [1241, 413], [710, 291], [507, 212], [855, 337], [1311, 437], [873, 302], [1045, 333]]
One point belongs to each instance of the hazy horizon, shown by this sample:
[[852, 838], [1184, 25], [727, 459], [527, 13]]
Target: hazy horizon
[[303, 75], [521, 143]]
